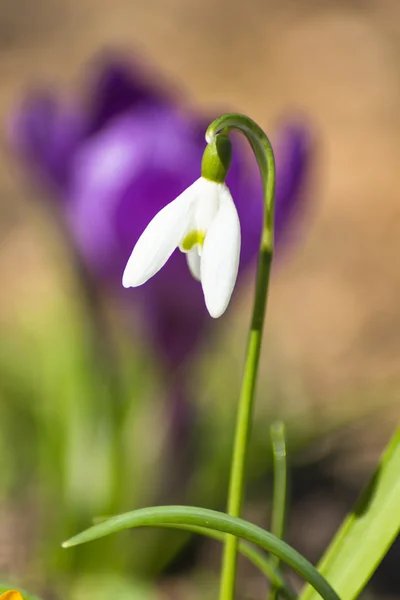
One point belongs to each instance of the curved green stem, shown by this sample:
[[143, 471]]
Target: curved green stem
[[204, 518], [262, 149]]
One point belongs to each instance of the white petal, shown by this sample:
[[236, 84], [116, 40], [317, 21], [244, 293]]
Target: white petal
[[205, 208], [207, 204], [159, 240], [220, 256], [193, 260]]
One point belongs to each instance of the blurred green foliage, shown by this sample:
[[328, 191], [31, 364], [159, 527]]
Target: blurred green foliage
[[70, 449]]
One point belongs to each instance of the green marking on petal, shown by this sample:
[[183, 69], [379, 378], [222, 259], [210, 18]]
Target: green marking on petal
[[191, 239]]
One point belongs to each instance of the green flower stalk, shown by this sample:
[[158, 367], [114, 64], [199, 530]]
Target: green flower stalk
[[263, 151], [203, 222]]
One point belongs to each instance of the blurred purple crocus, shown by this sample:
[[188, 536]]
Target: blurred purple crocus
[[114, 163]]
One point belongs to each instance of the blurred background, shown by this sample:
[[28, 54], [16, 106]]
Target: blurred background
[[105, 405]]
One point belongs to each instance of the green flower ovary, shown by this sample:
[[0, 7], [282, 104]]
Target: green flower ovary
[[192, 238], [217, 159]]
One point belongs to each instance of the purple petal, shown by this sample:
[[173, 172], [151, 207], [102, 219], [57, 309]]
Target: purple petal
[[176, 315], [123, 176], [45, 134], [121, 85], [244, 182], [294, 153]]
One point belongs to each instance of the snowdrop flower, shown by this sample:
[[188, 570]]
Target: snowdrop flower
[[203, 223]]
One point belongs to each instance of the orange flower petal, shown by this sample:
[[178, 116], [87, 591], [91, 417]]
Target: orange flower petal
[[11, 595]]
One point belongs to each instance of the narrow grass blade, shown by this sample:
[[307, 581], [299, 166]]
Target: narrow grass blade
[[279, 490]]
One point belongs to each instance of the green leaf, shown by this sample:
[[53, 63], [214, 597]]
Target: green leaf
[[259, 559], [367, 533], [210, 519], [255, 556]]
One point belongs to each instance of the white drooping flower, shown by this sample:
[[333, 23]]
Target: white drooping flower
[[203, 223]]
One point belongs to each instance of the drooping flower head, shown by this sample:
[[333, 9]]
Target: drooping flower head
[[118, 161], [204, 224]]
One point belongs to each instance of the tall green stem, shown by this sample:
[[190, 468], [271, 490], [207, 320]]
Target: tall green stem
[[262, 149]]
